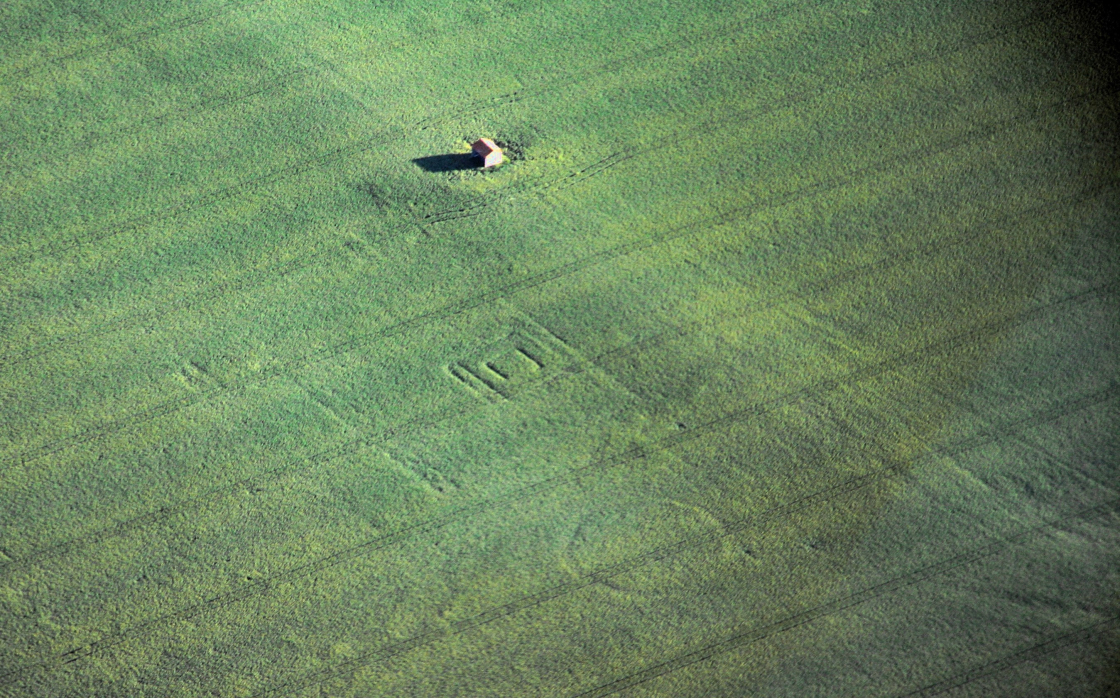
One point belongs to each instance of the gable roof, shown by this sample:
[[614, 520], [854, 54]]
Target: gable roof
[[485, 146]]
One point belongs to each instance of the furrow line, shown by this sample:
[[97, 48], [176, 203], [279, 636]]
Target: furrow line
[[465, 305], [1053, 644], [810, 615], [733, 119], [263, 274], [319, 160], [126, 40], [422, 423], [674, 549], [211, 103], [305, 570]]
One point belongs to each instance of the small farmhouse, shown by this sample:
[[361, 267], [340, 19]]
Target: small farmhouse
[[488, 150]]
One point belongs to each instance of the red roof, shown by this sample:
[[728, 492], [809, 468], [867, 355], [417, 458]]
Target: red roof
[[485, 146]]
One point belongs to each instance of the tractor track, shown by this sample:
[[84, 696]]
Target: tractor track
[[471, 209], [484, 299], [124, 40], [422, 423], [319, 160], [975, 335]]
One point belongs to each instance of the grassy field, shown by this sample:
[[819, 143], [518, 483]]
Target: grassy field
[[780, 358]]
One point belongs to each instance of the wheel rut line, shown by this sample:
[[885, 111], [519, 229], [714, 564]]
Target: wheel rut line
[[201, 106], [603, 575], [484, 204], [126, 40], [305, 570], [915, 577], [1052, 644], [468, 210], [827, 183], [426, 421], [370, 142], [247, 280], [694, 132], [315, 162]]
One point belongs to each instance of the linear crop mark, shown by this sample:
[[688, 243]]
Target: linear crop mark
[[846, 275], [475, 383], [604, 575], [1053, 644], [261, 275], [855, 272], [98, 431], [125, 40], [482, 204], [432, 419], [206, 104], [487, 202], [527, 354], [490, 365], [910, 357], [810, 615], [322, 159]]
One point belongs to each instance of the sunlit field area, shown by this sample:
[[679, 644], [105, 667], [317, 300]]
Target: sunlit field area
[[780, 357]]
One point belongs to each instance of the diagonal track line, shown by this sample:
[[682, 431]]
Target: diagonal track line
[[604, 574], [985, 331], [751, 636], [206, 104], [123, 40], [267, 273], [96, 432], [379, 136], [1053, 644], [431, 419], [150, 517]]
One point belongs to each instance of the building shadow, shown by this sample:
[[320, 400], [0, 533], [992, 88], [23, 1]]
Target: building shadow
[[449, 162]]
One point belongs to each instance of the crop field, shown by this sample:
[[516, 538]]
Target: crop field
[[781, 357]]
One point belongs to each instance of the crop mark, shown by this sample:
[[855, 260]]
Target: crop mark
[[975, 335], [604, 575], [524, 352], [475, 383], [206, 104], [189, 400], [157, 515], [527, 354], [247, 280], [195, 375], [497, 371], [488, 202], [599, 166], [419, 424], [454, 309], [732, 119], [482, 106], [262, 274]]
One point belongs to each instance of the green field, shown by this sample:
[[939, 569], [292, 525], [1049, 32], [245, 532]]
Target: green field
[[780, 358]]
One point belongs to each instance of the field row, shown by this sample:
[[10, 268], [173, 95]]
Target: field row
[[644, 317], [458, 472], [828, 511], [358, 305]]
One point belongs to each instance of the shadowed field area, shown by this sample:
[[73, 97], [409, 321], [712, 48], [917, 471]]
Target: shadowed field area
[[779, 358]]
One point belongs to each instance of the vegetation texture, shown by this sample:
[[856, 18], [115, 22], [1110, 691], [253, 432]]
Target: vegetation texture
[[779, 358]]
